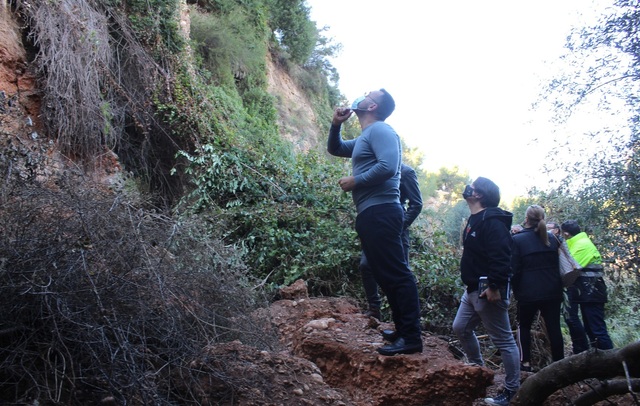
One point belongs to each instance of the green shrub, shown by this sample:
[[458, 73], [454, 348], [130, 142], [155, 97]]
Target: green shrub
[[621, 311], [231, 45], [436, 264], [305, 232], [157, 19], [296, 33]]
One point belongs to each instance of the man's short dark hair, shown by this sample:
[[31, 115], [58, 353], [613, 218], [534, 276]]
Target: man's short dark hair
[[571, 227], [386, 106], [490, 192]]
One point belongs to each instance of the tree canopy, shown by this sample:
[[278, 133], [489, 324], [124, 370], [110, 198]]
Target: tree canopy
[[600, 188]]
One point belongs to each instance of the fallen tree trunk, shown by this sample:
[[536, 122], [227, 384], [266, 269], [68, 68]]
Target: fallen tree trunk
[[590, 364], [607, 389]]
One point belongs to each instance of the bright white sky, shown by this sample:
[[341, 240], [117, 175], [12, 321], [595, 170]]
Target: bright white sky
[[463, 73]]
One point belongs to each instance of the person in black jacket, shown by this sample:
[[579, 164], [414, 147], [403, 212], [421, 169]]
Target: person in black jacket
[[537, 284], [487, 253], [411, 200]]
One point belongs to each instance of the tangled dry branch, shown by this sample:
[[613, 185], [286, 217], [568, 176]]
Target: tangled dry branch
[[74, 54], [103, 299], [102, 89]]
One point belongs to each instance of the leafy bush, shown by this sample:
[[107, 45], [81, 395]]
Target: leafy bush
[[297, 224], [232, 46], [157, 19], [296, 33], [436, 264], [452, 219], [621, 311]]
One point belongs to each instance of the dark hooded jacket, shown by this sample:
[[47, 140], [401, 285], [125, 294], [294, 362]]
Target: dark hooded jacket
[[487, 248], [536, 268]]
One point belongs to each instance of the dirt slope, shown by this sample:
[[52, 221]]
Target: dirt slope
[[330, 358]]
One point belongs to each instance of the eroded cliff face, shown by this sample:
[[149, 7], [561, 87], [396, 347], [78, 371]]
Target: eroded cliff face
[[12, 55], [297, 122], [20, 98], [23, 136], [17, 79]]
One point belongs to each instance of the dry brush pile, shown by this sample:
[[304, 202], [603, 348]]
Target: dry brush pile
[[103, 299]]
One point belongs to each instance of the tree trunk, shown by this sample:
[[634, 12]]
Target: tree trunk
[[607, 389], [600, 364]]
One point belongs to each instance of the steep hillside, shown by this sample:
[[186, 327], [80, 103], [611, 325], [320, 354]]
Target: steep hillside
[[157, 218], [20, 102], [322, 338]]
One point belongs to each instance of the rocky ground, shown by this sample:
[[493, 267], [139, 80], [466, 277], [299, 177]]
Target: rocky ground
[[330, 358]]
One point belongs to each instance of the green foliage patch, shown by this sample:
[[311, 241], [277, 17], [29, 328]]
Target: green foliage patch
[[294, 225], [294, 31], [231, 45], [156, 23], [436, 264]]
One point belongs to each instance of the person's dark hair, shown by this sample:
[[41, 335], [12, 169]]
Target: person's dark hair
[[490, 192], [571, 227], [386, 106], [535, 218]]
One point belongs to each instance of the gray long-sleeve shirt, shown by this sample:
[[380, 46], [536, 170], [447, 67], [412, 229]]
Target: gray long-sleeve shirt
[[375, 158]]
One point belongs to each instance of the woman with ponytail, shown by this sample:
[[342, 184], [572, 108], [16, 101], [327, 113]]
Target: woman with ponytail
[[537, 284]]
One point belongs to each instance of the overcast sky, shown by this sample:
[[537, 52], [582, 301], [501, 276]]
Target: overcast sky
[[463, 73]]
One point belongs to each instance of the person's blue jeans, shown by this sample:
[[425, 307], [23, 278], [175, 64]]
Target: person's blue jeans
[[579, 341], [379, 228], [594, 327], [495, 320]]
